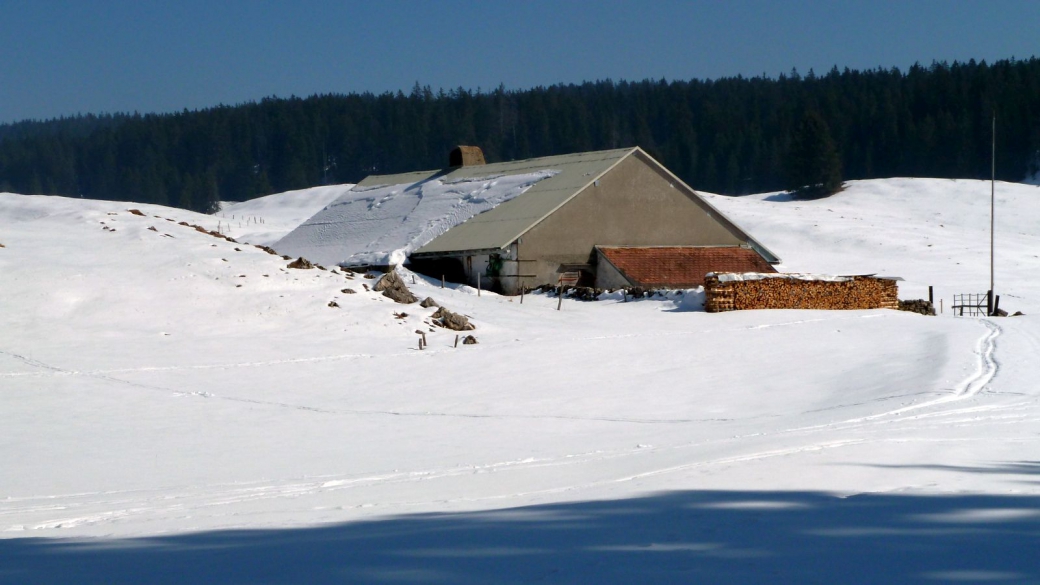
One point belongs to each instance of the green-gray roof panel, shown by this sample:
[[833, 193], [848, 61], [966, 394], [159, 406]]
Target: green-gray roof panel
[[498, 227]]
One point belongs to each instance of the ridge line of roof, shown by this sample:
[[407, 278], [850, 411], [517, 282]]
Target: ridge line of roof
[[449, 170], [755, 243]]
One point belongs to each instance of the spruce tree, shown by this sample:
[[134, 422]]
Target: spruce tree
[[813, 164]]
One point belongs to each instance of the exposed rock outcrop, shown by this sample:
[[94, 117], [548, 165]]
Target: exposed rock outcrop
[[394, 288], [300, 263], [445, 318]]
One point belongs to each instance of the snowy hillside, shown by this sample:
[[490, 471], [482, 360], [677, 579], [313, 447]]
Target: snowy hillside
[[928, 231], [176, 407]]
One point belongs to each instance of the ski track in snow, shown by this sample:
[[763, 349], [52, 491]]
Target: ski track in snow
[[986, 369], [108, 376], [57, 371], [159, 502], [916, 415]]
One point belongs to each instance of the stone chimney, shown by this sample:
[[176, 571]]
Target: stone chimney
[[466, 156]]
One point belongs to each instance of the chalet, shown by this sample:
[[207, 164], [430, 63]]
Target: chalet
[[610, 218]]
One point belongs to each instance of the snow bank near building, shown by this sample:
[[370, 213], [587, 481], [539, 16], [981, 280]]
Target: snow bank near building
[[382, 224]]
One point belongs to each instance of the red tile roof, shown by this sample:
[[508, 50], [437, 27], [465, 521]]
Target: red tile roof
[[681, 266]]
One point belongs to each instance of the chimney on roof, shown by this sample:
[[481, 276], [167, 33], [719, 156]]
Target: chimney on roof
[[466, 156]]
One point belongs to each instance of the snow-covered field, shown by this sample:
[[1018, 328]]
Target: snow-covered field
[[176, 407]]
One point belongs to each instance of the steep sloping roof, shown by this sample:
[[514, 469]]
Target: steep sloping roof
[[680, 266], [497, 228], [386, 218]]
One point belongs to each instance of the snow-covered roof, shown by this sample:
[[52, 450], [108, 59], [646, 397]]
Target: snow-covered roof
[[742, 276], [501, 226], [385, 218]]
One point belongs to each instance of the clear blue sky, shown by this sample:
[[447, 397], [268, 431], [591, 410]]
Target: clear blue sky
[[62, 58]]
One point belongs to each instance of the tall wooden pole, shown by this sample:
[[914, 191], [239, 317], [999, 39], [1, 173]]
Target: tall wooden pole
[[992, 199]]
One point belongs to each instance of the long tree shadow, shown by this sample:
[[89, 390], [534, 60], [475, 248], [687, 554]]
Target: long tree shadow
[[1003, 468], [674, 537]]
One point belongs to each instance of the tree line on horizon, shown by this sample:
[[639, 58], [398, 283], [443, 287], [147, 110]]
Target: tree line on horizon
[[733, 135]]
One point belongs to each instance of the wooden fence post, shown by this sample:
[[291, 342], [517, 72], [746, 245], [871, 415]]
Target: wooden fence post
[[560, 295]]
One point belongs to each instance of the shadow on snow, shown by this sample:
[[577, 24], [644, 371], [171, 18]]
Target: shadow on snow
[[674, 537], [1010, 468]]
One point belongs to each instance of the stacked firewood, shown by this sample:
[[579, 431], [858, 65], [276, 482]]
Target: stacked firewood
[[917, 306], [779, 292]]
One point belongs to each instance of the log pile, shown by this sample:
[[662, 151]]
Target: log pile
[[734, 292], [917, 306]]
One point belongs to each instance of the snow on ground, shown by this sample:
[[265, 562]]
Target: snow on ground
[[265, 220], [178, 407], [928, 231], [380, 225]]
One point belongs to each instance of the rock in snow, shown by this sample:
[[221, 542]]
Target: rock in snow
[[394, 288], [453, 321]]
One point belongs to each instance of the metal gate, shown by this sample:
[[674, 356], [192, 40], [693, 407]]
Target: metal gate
[[972, 305]]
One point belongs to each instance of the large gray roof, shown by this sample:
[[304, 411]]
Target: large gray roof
[[498, 227]]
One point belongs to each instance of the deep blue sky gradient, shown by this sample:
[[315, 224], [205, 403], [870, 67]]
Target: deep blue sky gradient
[[63, 58]]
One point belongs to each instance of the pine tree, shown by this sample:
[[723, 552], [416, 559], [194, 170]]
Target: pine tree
[[730, 135], [813, 164]]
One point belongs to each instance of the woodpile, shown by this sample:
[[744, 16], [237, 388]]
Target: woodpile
[[917, 306], [740, 291]]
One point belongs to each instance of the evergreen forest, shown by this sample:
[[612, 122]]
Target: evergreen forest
[[734, 135]]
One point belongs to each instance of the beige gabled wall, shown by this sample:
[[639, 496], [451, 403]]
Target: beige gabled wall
[[608, 276], [635, 204]]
